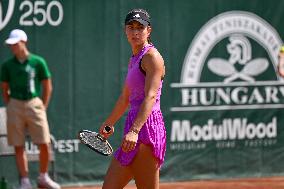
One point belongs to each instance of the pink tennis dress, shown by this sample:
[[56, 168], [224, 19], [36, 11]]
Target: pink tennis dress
[[153, 132]]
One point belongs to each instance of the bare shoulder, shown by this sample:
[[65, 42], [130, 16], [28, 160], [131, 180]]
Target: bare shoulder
[[153, 62], [153, 57]]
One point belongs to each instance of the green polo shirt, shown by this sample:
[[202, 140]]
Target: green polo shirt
[[25, 78]]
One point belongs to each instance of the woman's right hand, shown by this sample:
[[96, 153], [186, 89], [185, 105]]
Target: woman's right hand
[[106, 130]]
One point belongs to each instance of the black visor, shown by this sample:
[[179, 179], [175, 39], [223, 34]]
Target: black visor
[[140, 17]]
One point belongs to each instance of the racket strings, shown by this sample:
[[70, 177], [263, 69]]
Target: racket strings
[[96, 142]]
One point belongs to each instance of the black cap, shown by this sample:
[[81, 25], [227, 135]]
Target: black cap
[[138, 15]]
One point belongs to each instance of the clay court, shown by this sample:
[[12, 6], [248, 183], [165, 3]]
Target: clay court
[[253, 183]]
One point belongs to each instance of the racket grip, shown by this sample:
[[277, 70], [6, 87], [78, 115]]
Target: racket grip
[[107, 129]]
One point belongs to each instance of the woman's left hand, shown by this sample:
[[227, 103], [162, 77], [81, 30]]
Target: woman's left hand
[[129, 141], [106, 134]]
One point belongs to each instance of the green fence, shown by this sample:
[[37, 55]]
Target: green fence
[[222, 98]]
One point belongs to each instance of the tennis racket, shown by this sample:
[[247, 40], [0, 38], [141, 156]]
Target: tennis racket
[[96, 141]]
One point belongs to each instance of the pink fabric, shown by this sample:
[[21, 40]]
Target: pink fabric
[[153, 132]]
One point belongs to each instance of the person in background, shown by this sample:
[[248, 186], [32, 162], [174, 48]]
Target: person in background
[[142, 151], [22, 78]]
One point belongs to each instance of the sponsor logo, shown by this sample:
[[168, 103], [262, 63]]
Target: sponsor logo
[[222, 74], [5, 18], [235, 25], [32, 13], [136, 16], [61, 145], [229, 129], [239, 49]]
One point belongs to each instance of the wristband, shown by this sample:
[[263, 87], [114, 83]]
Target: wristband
[[135, 131]]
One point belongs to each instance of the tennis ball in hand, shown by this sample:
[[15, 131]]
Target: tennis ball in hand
[[282, 49]]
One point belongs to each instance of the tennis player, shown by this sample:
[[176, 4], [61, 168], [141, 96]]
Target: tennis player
[[142, 150]]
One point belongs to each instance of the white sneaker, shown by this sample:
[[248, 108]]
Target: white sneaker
[[25, 185], [46, 182]]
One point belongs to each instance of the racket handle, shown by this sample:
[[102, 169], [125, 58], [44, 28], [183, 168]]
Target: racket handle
[[107, 129]]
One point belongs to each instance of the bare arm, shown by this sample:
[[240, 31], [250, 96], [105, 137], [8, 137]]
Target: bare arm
[[46, 92], [5, 92], [153, 64]]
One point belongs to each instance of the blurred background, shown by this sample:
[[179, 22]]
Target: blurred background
[[222, 97]]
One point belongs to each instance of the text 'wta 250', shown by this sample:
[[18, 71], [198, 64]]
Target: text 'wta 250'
[[38, 13]]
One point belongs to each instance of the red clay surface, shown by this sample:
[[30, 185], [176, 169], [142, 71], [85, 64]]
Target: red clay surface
[[254, 183]]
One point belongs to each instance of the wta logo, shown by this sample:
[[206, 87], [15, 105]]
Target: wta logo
[[5, 18]]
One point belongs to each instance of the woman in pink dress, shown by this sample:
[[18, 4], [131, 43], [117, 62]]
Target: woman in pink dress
[[142, 150]]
